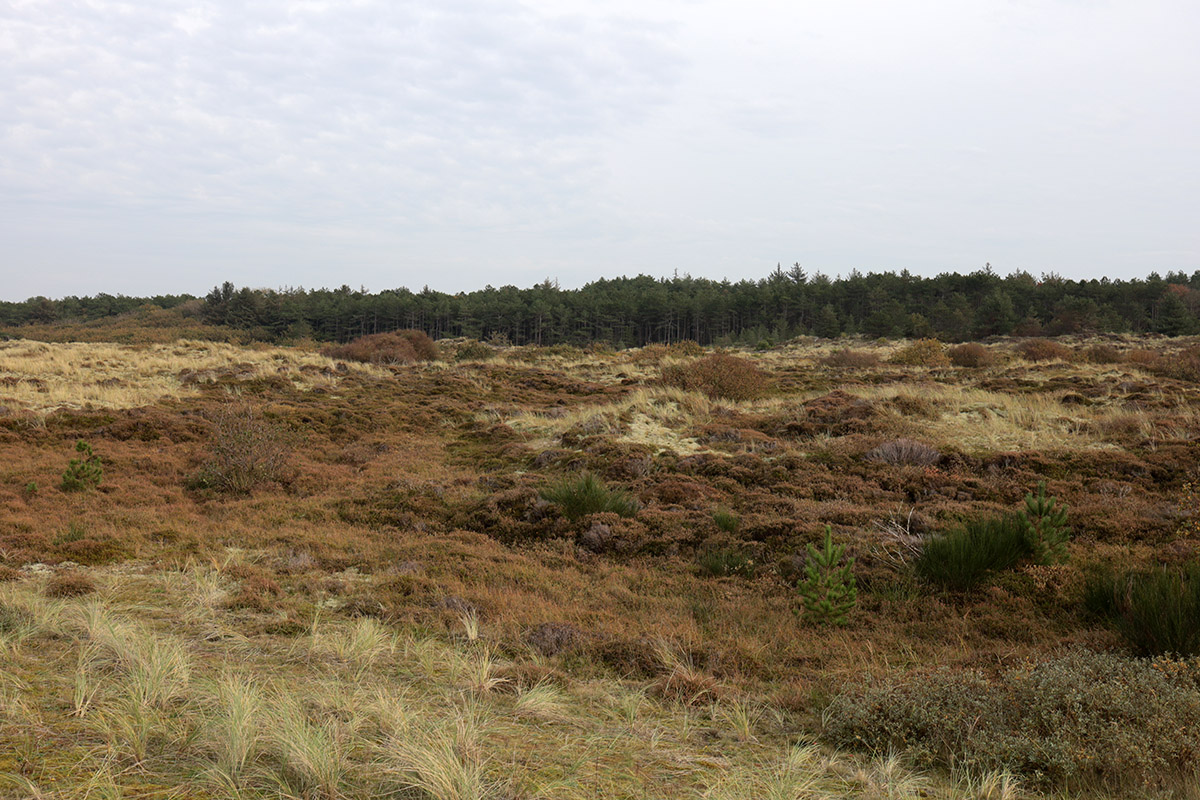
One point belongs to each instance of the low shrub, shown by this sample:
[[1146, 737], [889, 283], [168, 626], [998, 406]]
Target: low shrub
[[1103, 354], [1156, 612], [960, 558], [1046, 530], [904, 451], [84, 472], [395, 347], [721, 562], [69, 583], [719, 376], [587, 494], [971, 354], [1044, 350], [474, 351], [1079, 720], [245, 451], [846, 357], [921, 353]]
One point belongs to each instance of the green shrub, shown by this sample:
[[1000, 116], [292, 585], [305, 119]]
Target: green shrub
[[1079, 720], [586, 494], [961, 557], [1157, 612], [720, 376], [474, 351], [84, 472], [721, 562], [828, 587], [727, 520], [1046, 529]]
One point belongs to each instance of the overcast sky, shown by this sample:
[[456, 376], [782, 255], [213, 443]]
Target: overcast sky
[[166, 146]]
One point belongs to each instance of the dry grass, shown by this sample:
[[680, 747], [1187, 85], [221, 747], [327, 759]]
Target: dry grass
[[42, 376]]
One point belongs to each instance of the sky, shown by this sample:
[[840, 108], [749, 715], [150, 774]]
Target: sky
[[165, 147]]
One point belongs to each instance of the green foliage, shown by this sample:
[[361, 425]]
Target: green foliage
[[587, 494], [31, 488], [828, 588], [474, 350], [721, 562], [727, 520], [1157, 612], [84, 472], [1082, 719], [961, 557], [1045, 527]]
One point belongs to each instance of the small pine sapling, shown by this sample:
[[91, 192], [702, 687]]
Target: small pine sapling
[[1046, 528], [84, 472], [828, 588]]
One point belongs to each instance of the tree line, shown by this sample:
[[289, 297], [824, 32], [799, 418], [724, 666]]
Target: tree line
[[637, 311]]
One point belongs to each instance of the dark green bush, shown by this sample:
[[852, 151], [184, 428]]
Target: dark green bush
[[1157, 612], [84, 472], [961, 557], [586, 494], [1081, 720]]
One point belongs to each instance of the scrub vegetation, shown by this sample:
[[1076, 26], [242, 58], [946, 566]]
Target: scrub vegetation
[[403, 568]]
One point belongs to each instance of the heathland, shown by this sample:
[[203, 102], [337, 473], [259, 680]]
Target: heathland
[[825, 568]]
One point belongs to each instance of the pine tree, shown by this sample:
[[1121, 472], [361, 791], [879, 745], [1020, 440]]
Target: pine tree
[[828, 588]]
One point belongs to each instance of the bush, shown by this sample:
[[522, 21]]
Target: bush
[[846, 357], [245, 451], [721, 562], [971, 354], [719, 376], [1080, 720], [84, 472], [961, 557], [1044, 350], [586, 494], [904, 451], [921, 353], [396, 347], [70, 583], [828, 589], [1046, 530], [1156, 612], [474, 351], [1103, 354]]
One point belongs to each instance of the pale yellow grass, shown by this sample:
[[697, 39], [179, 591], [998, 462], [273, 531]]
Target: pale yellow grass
[[42, 377]]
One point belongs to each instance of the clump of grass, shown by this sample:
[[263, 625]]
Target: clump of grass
[[961, 557], [719, 376], [721, 562], [587, 494], [1044, 350], [1157, 612], [906, 452], [727, 520], [846, 357]]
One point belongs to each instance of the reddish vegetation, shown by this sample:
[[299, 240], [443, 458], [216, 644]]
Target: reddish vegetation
[[396, 347]]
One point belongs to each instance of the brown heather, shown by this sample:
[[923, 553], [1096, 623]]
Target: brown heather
[[400, 609]]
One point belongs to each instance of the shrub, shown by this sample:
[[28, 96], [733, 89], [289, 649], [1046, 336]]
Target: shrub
[[1043, 350], [1103, 354], [1046, 530], [474, 351], [1156, 612], [70, 583], [971, 354], [84, 472], [828, 589], [245, 451], [961, 557], [904, 451], [586, 494], [396, 347], [846, 357], [720, 562], [1081, 719], [719, 376], [921, 353]]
